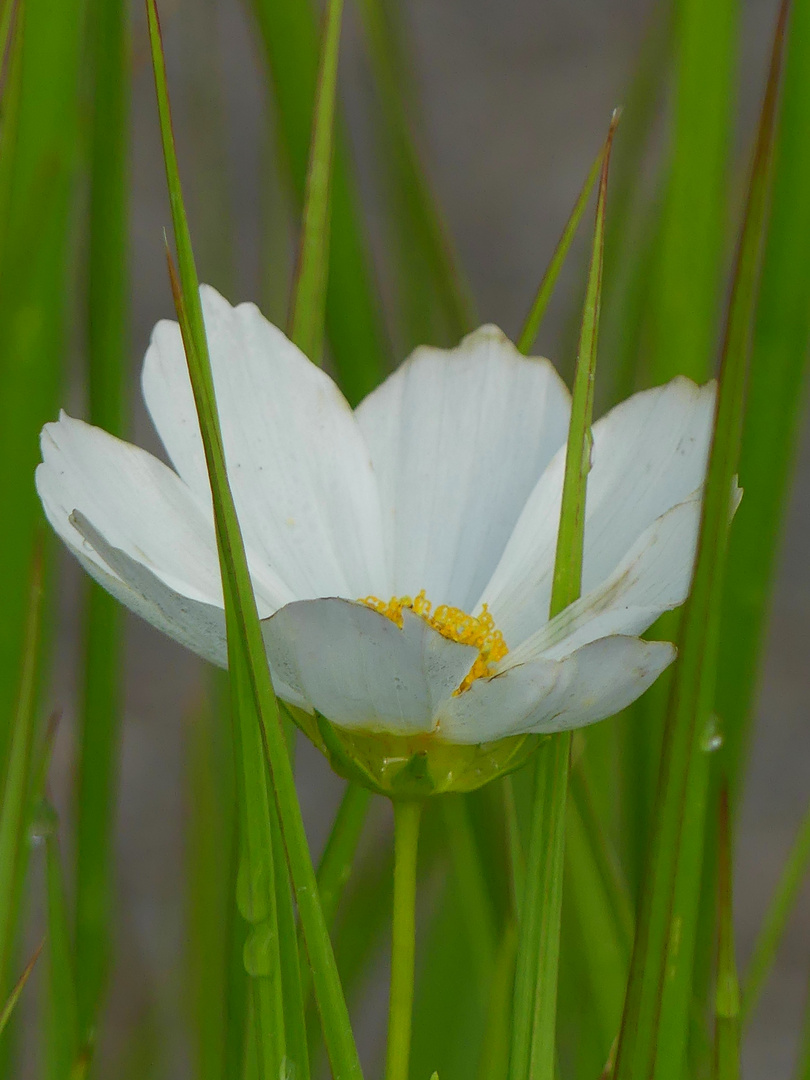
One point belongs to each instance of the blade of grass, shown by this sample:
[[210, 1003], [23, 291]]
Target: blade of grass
[[494, 1062], [38, 159], [770, 437], [338, 855], [693, 239], [288, 32], [773, 417], [107, 320], [678, 989], [216, 978], [62, 1043], [256, 883], [15, 810], [18, 988], [450, 1009], [429, 274], [535, 1008], [727, 996], [247, 658], [692, 687], [309, 304], [599, 903], [776, 919], [336, 863], [476, 910], [803, 1058], [546, 287]]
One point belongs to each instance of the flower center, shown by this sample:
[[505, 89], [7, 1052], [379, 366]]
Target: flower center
[[453, 624]]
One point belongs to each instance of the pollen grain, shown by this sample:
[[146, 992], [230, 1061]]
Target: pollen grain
[[455, 625]]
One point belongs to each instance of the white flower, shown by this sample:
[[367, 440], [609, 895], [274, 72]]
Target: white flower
[[443, 486]]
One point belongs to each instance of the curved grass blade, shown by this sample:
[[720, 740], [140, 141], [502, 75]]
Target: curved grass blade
[[727, 996], [535, 1009], [309, 304], [356, 335], [779, 367], [336, 863], [776, 919], [107, 324], [693, 687], [247, 658], [257, 882], [18, 988], [546, 287], [430, 275]]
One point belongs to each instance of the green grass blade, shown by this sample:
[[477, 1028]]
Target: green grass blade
[[356, 336], [535, 1008], [429, 275], [692, 687], [544, 291], [107, 323], [476, 910], [494, 1062], [598, 903], [335, 867], [216, 977], [338, 855], [18, 988], [803, 1060], [62, 1043], [290, 960], [727, 996], [309, 302], [776, 919], [38, 159], [247, 658], [694, 223], [256, 882], [15, 810], [679, 992], [774, 413], [450, 1011]]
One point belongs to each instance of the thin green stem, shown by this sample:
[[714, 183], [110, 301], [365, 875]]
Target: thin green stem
[[407, 816], [773, 926]]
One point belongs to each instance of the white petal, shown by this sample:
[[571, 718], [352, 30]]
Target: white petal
[[649, 454], [359, 669], [545, 695], [134, 501], [458, 439], [653, 578], [197, 625], [299, 468]]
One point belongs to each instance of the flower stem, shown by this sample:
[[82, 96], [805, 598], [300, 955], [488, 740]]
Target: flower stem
[[407, 816]]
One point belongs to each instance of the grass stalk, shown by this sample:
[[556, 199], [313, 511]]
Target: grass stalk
[[245, 643], [727, 995], [692, 686], [407, 816], [776, 920], [107, 322], [535, 1009], [309, 304]]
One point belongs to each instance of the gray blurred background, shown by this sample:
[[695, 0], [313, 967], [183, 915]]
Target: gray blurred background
[[515, 97]]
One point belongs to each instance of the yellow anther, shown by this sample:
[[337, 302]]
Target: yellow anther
[[454, 624]]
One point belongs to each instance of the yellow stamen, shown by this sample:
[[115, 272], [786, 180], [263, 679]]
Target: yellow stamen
[[454, 624]]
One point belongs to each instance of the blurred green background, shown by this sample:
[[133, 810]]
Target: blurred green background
[[510, 102]]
